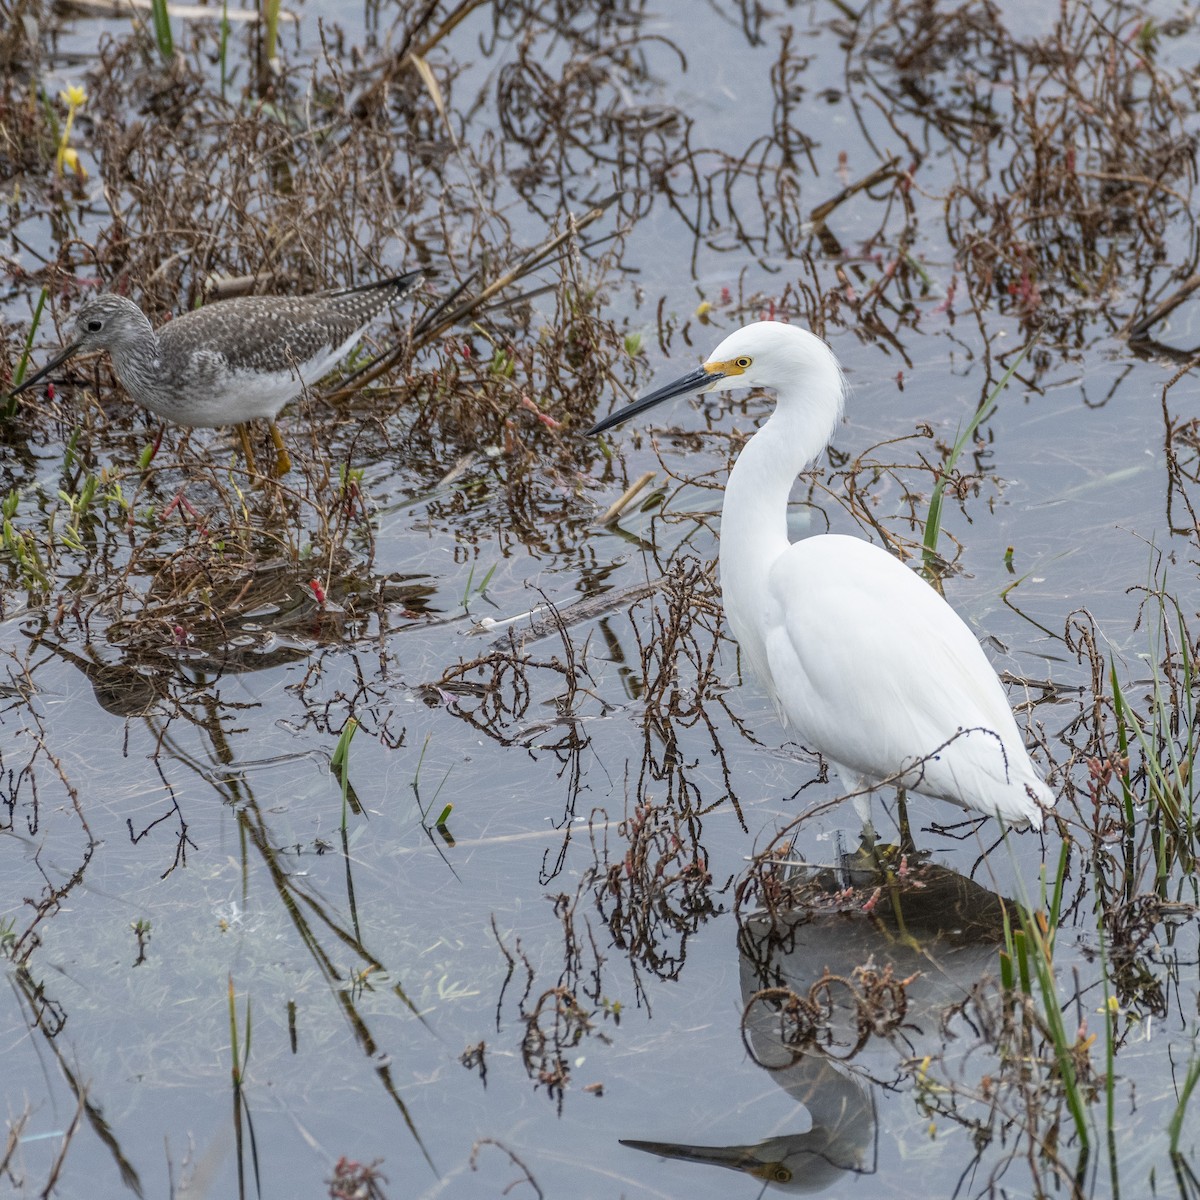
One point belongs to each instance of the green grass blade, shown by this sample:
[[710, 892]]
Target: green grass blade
[[933, 520], [10, 408], [1185, 1095], [162, 29]]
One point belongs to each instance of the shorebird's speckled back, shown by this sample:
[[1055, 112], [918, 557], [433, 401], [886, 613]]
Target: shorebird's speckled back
[[232, 361]]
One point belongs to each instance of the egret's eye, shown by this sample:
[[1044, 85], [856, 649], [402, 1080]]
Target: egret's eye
[[742, 362], [95, 326]]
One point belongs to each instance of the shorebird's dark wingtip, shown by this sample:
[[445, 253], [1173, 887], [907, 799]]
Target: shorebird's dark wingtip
[[400, 285]]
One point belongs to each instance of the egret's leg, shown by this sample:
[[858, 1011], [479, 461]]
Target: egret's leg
[[244, 433], [907, 845], [877, 868], [862, 806], [869, 838], [283, 460]]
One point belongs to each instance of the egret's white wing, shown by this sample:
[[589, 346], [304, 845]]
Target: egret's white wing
[[871, 665]]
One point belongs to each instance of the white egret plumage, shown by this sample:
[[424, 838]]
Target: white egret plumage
[[864, 661]]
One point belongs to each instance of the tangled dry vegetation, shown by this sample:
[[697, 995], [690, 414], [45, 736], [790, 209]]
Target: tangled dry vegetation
[[341, 171]]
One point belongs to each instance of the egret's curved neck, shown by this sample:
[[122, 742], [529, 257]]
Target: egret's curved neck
[[754, 518]]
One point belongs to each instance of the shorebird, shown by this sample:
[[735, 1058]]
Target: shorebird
[[233, 361]]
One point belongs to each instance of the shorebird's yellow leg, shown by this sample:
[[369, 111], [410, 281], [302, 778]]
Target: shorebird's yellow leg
[[244, 433], [283, 460]]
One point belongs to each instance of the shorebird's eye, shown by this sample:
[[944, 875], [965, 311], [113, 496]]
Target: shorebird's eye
[[743, 362], [95, 326]]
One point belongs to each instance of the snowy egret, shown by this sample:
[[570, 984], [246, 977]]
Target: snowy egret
[[862, 658], [233, 361]]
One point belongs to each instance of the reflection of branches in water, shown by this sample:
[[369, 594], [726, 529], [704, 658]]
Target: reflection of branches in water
[[569, 752], [44, 1012], [157, 689], [656, 894], [513, 1158], [656, 891], [660, 892], [503, 690], [1064, 166], [769, 174], [15, 782], [503, 687], [34, 996], [690, 611], [567, 103], [677, 648], [151, 685], [510, 957], [683, 628], [182, 841], [574, 126], [301, 907], [554, 1025], [309, 915], [1134, 957], [369, 700], [868, 477], [1181, 441], [815, 1022], [556, 1022]]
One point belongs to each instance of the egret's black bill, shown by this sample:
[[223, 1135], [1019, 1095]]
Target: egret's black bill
[[697, 381], [56, 361]]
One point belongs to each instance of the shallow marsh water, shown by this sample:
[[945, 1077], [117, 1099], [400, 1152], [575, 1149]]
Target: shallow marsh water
[[174, 688]]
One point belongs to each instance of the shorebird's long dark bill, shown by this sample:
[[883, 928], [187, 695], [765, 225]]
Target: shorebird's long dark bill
[[697, 381], [56, 361]]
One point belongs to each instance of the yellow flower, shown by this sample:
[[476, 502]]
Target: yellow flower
[[74, 97], [68, 159]]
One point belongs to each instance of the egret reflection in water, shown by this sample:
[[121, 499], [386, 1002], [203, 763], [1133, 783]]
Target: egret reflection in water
[[837, 998]]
